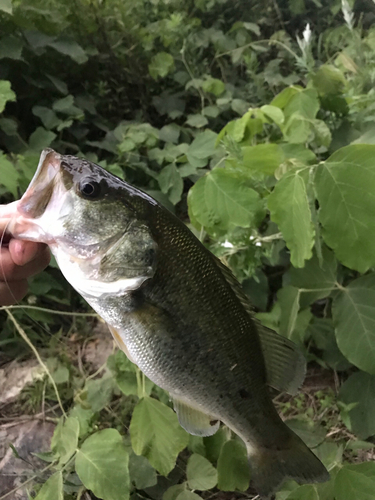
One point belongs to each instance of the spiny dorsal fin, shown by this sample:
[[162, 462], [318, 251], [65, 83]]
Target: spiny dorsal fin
[[285, 364], [194, 421]]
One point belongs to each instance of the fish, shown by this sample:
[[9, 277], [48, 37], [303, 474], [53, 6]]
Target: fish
[[174, 308]]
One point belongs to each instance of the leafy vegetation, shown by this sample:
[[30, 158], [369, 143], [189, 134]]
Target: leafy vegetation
[[264, 143]]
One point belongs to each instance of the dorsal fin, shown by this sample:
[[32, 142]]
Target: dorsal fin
[[285, 364]]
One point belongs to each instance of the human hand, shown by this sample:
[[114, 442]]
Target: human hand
[[19, 260]]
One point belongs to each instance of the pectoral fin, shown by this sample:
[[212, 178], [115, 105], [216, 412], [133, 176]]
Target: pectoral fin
[[120, 342], [194, 421]]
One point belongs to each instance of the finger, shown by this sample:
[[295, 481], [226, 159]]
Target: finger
[[10, 271], [23, 252], [7, 211], [12, 292]]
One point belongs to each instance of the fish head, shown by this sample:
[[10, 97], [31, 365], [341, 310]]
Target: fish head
[[91, 220]]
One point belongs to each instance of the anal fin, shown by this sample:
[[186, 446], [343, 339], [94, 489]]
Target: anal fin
[[194, 421], [120, 342]]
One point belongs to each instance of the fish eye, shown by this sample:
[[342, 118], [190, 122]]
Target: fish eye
[[89, 189]]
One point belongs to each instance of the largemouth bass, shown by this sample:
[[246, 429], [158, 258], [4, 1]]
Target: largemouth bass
[[174, 308]]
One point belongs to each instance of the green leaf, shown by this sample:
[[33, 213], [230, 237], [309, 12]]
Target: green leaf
[[288, 298], [356, 481], [188, 495], [141, 472], [213, 86], [360, 388], [48, 117], [156, 434], [233, 467], [353, 313], [322, 331], [65, 439], [273, 112], [323, 135], [102, 465], [202, 147], [171, 183], [53, 487], [41, 138], [71, 48], [201, 474], [345, 186], [289, 207], [221, 200], [282, 99], [6, 94], [213, 444], [99, 391], [304, 492], [6, 6], [197, 121], [9, 177], [161, 64], [329, 80], [304, 104], [319, 277], [264, 158], [170, 133], [11, 47], [173, 491]]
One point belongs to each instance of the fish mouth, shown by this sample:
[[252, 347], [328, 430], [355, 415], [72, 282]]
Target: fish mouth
[[28, 223]]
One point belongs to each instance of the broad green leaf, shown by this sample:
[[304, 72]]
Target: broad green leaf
[[197, 121], [188, 495], [304, 104], [52, 488], [84, 417], [102, 465], [213, 86], [170, 133], [9, 126], [273, 112], [221, 200], [71, 48], [201, 474], [315, 279], [329, 80], [264, 158], [356, 481], [41, 138], [6, 6], [322, 133], [288, 298], [322, 331], [99, 391], [282, 99], [142, 474], [329, 453], [289, 207], [233, 467], [156, 434], [161, 64], [171, 183], [202, 147], [6, 94], [213, 444], [297, 129], [196, 445], [48, 116], [65, 439], [304, 492], [360, 388], [353, 313], [11, 47], [312, 434], [173, 491], [298, 154], [345, 186], [9, 176]]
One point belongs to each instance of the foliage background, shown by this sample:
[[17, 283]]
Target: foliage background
[[253, 122]]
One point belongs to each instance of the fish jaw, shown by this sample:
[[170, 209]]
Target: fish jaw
[[39, 212]]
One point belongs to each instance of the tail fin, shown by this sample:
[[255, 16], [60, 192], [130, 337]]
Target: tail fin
[[270, 467]]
